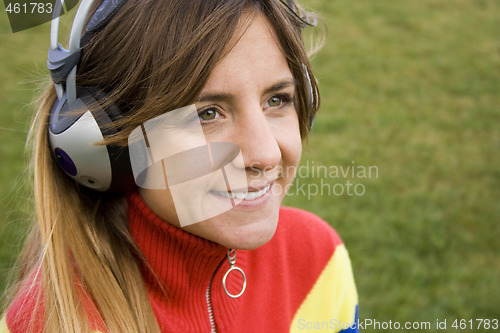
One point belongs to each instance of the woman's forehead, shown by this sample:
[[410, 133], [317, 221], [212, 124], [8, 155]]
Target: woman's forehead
[[255, 57]]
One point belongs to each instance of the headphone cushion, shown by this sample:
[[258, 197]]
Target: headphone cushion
[[74, 131]]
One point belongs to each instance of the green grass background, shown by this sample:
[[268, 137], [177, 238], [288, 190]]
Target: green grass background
[[411, 87]]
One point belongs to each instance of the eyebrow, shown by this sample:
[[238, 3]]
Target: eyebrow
[[217, 97]]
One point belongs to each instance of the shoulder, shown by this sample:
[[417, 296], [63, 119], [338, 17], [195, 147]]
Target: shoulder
[[25, 313], [313, 269], [319, 252]]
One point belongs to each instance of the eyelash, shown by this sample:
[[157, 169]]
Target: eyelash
[[286, 99]]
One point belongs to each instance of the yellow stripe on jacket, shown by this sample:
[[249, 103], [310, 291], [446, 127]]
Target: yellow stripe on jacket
[[331, 303]]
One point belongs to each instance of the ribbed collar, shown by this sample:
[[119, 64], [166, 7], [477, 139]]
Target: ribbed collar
[[182, 266]]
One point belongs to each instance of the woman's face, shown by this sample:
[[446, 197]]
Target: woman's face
[[247, 100]]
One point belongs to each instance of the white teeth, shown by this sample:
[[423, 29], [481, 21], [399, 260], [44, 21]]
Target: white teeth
[[244, 195], [240, 195]]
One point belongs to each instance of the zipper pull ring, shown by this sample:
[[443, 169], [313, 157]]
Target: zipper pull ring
[[231, 257]]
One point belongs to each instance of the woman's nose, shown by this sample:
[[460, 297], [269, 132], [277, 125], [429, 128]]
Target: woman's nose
[[257, 140]]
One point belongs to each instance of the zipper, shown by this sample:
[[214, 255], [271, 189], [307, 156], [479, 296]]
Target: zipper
[[208, 296], [210, 309]]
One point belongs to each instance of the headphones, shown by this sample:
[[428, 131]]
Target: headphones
[[77, 120]]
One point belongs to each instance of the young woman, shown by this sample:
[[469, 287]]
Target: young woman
[[119, 244]]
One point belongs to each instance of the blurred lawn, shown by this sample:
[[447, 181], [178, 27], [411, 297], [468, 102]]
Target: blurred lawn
[[410, 87]]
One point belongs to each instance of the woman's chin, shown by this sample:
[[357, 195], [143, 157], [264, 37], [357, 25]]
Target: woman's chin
[[252, 239], [237, 230]]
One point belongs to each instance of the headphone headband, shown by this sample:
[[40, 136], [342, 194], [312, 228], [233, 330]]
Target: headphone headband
[[62, 63]]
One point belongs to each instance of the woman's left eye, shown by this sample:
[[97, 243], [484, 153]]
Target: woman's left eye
[[275, 101], [278, 100]]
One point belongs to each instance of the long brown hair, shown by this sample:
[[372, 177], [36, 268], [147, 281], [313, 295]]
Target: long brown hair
[[153, 56]]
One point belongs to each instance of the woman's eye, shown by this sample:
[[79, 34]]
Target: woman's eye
[[279, 100], [275, 101], [208, 114]]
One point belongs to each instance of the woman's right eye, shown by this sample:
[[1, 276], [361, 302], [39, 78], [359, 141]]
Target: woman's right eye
[[208, 114]]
